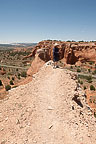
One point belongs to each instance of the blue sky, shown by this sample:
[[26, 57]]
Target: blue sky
[[36, 20]]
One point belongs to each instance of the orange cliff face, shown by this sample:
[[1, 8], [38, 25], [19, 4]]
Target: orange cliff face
[[69, 52]]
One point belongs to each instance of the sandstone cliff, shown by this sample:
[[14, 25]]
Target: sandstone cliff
[[69, 52]]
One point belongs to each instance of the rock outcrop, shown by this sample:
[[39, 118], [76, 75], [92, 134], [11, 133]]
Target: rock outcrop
[[69, 52], [36, 65]]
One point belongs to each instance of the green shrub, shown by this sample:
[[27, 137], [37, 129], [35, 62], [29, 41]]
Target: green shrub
[[94, 101], [18, 77], [94, 72], [4, 69], [95, 114], [8, 77], [90, 100], [23, 74], [89, 79], [85, 77], [7, 87], [91, 62], [95, 66], [92, 87], [13, 78], [89, 70], [81, 82], [19, 74], [17, 69], [11, 82], [71, 67], [68, 40], [14, 86], [84, 87], [10, 73], [78, 70], [1, 83], [80, 41]]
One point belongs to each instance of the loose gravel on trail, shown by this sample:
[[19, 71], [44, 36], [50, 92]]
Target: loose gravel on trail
[[44, 112]]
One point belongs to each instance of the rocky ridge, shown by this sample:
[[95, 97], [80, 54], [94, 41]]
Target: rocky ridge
[[51, 109]]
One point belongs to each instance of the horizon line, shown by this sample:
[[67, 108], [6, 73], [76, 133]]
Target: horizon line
[[49, 39]]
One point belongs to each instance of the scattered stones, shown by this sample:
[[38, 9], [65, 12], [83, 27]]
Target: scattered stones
[[21, 126], [88, 135], [50, 108], [50, 126], [17, 121], [2, 129], [34, 141], [3, 142], [6, 118]]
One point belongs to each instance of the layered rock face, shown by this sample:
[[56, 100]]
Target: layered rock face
[[69, 52]]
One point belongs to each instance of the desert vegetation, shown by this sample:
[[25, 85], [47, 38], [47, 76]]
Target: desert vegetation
[[13, 67]]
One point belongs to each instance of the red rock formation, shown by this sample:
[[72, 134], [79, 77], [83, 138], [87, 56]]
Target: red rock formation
[[91, 99], [69, 52], [36, 65]]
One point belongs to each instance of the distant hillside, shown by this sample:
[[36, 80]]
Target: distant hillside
[[24, 44], [13, 45]]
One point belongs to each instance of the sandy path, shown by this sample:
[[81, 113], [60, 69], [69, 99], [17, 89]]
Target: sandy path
[[41, 112], [50, 105]]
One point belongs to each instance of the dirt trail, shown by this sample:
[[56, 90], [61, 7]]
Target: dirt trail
[[41, 112], [49, 125]]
